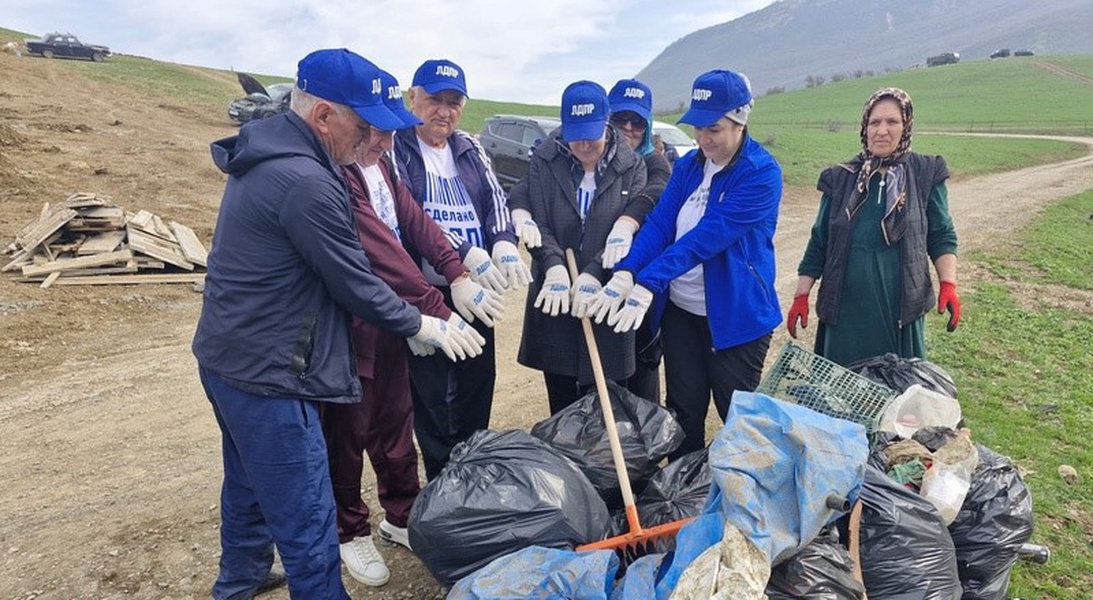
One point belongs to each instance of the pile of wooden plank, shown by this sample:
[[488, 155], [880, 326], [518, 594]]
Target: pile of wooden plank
[[89, 240]]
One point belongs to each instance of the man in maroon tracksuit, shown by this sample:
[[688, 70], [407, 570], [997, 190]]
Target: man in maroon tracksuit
[[382, 423]]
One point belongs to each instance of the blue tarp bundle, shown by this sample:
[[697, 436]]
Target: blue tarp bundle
[[541, 573], [774, 467]]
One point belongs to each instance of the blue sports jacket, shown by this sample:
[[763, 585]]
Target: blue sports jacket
[[287, 271], [734, 241]]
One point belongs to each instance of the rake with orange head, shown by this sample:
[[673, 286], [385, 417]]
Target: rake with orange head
[[638, 541]]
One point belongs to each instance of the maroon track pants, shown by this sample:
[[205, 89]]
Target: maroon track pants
[[381, 424]]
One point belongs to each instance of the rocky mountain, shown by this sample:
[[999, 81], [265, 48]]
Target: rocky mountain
[[790, 40]]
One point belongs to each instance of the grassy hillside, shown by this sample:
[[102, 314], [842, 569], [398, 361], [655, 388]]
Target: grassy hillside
[[1013, 94]]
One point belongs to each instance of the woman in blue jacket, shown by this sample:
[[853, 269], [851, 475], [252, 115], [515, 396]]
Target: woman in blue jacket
[[705, 254]]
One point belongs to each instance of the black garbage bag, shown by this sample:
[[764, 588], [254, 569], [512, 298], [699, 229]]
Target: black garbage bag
[[822, 570], [675, 492], [901, 373], [994, 521], [647, 432], [906, 550], [501, 492]]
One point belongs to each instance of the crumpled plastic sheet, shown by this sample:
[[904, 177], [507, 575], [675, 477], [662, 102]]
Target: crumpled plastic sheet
[[541, 573]]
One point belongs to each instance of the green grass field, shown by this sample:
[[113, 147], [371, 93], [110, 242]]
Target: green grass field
[[1025, 377], [803, 153], [1014, 94]]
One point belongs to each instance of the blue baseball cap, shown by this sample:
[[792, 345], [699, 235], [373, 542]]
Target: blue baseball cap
[[584, 111], [632, 95], [392, 98], [717, 94], [438, 75], [342, 77]]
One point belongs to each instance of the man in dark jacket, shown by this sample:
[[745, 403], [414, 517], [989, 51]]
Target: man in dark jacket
[[449, 173], [286, 273]]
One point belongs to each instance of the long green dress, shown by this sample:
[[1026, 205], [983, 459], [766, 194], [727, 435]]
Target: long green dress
[[869, 309]]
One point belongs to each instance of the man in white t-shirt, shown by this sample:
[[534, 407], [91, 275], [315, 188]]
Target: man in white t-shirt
[[449, 173]]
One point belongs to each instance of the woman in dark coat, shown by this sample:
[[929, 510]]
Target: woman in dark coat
[[580, 182], [883, 218]]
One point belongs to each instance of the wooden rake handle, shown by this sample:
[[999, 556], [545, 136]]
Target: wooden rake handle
[[608, 414]]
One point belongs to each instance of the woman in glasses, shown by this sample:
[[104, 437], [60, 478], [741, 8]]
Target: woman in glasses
[[705, 254], [632, 114], [582, 181]]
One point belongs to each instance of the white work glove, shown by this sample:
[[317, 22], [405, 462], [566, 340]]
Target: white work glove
[[465, 341], [432, 335], [554, 297], [608, 300], [420, 348], [526, 228], [618, 241], [633, 310], [507, 258], [454, 337], [483, 270], [584, 290], [474, 301]]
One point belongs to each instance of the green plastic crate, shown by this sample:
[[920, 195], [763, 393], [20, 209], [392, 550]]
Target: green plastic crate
[[812, 381]]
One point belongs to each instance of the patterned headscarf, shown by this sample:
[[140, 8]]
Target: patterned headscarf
[[894, 223], [871, 163]]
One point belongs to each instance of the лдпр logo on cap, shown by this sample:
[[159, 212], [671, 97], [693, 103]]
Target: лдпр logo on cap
[[580, 110], [633, 93], [446, 71], [701, 94]]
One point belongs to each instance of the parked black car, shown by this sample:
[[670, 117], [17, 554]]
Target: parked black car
[[509, 140], [1000, 53], [260, 102], [1023, 52], [65, 45], [948, 58]]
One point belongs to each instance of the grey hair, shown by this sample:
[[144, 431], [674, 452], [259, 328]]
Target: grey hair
[[303, 102], [418, 90]]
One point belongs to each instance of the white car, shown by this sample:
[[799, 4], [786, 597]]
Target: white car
[[674, 137]]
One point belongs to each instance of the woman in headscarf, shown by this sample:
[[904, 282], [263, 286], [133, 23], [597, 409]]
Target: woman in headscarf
[[883, 218]]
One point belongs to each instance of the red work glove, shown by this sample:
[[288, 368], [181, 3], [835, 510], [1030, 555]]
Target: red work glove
[[799, 310], [947, 299]]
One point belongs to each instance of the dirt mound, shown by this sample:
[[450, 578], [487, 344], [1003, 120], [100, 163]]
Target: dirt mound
[[10, 138], [11, 179]]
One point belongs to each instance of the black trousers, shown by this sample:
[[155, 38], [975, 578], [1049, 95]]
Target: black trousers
[[451, 400], [563, 390], [693, 369], [649, 348]]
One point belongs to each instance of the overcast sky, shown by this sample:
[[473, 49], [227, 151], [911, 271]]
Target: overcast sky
[[510, 50]]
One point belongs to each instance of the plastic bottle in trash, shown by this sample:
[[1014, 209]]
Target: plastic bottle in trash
[[947, 481]]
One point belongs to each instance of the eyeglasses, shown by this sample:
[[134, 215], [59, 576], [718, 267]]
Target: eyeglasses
[[635, 120]]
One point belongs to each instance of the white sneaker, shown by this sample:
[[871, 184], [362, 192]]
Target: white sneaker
[[364, 562], [395, 534]]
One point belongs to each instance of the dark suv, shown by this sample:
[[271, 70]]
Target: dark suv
[[510, 139]]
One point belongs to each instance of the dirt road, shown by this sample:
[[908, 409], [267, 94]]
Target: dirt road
[[109, 454]]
